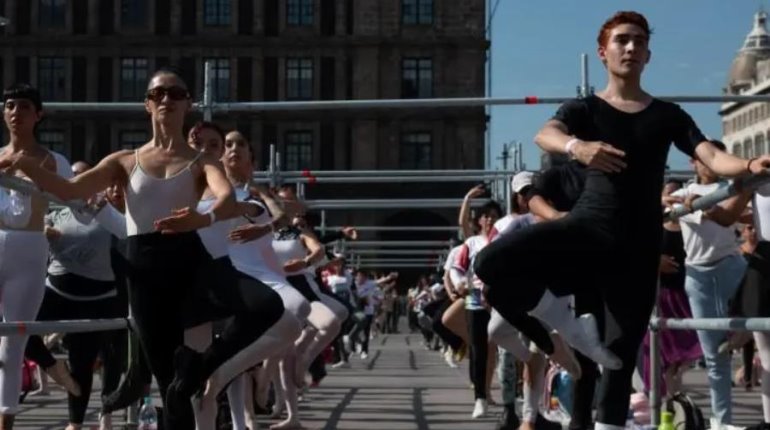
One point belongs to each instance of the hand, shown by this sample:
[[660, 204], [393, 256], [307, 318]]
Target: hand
[[295, 265], [599, 155], [9, 161], [759, 165], [350, 233], [462, 289], [670, 201], [453, 297], [668, 265], [249, 232], [51, 233], [182, 220], [97, 201], [476, 191]]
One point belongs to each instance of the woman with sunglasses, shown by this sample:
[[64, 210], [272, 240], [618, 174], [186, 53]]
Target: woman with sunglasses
[[163, 182]]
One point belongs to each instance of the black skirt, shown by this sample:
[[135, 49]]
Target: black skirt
[[753, 297]]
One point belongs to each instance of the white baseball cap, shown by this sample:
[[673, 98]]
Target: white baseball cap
[[522, 180]]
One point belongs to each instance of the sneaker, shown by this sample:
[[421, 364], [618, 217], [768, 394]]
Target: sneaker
[[342, 364], [364, 356], [449, 358], [508, 419], [480, 409], [585, 338]]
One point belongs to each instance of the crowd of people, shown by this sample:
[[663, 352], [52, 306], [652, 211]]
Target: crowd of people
[[232, 293]]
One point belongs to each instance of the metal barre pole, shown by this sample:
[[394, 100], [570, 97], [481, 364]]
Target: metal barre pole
[[378, 103], [389, 203], [377, 180], [436, 253], [380, 173], [395, 228], [68, 326], [715, 324], [15, 183], [720, 194], [392, 243]]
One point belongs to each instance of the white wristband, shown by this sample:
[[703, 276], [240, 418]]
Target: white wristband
[[212, 218], [569, 147]]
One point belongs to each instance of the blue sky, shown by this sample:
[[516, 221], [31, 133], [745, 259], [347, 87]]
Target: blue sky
[[536, 47]]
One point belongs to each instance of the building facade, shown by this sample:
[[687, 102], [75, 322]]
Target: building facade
[[746, 126]]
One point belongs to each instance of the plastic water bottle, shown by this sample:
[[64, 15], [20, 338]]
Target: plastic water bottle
[[16, 203], [148, 416], [666, 421]]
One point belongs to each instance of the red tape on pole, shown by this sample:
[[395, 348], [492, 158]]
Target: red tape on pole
[[530, 100], [306, 174], [22, 329]]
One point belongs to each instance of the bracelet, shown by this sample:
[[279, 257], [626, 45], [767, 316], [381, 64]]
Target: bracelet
[[748, 165], [212, 218], [569, 147]]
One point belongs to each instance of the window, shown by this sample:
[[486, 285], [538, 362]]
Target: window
[[133, 78], [414, 12], [299, 150], [220, 75], [737, 149], [51, 78], [132, 139], [133, 13], [51, 13], [748, 149], [299, 12], [759, 145], [53, 140], [216, 12], [417, 78], [299, 78], [416, 151]]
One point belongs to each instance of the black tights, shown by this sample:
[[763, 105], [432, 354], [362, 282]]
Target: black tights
[[164, 272], [477, 332], [83, 348], [584, 388], [454, 341], [572, 255]]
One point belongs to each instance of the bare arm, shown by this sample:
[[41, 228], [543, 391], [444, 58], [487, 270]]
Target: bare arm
[[314, 246], [280, 219], [102, 176], [729, 212], [224, 206], [554, 137], [464, 219]]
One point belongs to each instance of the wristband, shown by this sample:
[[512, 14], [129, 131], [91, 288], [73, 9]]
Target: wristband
[[748, 165], [570, 146], [212, 218]]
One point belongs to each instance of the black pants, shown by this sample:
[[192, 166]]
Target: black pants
[[363, 328], [83, 348], [479, 347], [584, 388], [167, 276], [454, 341], [574, 254]]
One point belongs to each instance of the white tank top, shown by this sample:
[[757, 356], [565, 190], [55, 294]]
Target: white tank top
[[288, 246], [214, 237], [149, 198], [761, 209], [256, 258]]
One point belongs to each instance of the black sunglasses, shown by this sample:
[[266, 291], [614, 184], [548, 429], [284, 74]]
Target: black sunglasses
[[174, 93]]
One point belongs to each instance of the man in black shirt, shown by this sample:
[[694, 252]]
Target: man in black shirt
[[610, 241]]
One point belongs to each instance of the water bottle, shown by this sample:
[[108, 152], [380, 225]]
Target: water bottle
[[16, 203], [148, 416], [666, 421]]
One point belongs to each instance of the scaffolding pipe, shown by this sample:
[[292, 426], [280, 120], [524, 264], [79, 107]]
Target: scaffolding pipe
[[208, 92], [712, 324], [346, 204], [381, 173], [396, 265]]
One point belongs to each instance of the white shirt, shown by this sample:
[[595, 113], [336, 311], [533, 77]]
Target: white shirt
[[761, 209], [368, 290], [450, 259], [705, 242]]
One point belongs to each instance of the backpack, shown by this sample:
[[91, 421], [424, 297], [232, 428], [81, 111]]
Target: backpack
[[687, 415], [28, 381]]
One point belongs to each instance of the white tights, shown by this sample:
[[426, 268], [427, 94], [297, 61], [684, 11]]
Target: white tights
[[23, 258]]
